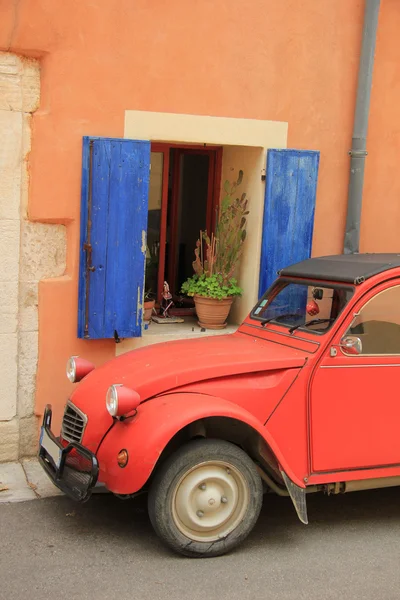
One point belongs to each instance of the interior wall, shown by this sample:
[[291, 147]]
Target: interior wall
[[251, 161], [155, 183]]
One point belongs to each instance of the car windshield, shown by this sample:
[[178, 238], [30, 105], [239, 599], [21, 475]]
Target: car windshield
[[302, 305]]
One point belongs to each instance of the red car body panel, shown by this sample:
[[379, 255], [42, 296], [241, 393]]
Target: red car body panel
[[145, 442], [326, 416], [355, 397], [163, 367], [288, 425], [266, 390]]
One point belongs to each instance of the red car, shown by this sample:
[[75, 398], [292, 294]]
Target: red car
[[302, 398]]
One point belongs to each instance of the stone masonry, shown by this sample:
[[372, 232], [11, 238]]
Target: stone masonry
[[28, 252]]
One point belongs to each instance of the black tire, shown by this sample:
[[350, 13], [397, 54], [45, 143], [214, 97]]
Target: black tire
[[217, 465]]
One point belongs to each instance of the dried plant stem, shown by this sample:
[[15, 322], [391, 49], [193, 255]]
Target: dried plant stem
[[223, 250]]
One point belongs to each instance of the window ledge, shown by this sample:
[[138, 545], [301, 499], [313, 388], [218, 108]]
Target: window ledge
[[188, 329], [159, 332]]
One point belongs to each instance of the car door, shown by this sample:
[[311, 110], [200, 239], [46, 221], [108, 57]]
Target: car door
[[354, 392]]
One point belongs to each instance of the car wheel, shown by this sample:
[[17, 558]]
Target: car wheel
[[206, 498]]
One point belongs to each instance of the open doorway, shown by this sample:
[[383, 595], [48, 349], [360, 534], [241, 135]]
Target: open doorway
[[183, 199]]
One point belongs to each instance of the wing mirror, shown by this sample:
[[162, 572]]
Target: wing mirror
[[351, 344]]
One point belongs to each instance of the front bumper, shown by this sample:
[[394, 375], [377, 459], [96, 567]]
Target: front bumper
[[73, 468]]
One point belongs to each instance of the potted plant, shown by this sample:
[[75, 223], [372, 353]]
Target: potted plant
[[214, 285], [149, 304]]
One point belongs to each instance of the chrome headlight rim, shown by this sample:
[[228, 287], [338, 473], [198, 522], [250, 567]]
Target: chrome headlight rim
[[112, 399], [71, 369]]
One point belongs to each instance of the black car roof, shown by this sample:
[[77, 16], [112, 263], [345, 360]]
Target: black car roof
[[349, 268]]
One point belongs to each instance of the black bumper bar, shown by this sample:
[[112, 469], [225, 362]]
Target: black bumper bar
[[73, 468]]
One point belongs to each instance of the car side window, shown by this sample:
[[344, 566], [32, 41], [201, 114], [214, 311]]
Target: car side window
[[377, 325]]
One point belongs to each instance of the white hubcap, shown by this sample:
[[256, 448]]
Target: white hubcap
[[210, 501]]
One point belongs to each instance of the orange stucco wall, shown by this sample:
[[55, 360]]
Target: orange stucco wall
[[288, 61]]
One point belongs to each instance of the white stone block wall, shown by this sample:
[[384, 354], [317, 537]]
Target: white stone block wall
[[28, 253]]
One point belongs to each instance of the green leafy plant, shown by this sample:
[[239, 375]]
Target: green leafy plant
[[211, 287], [218, 257]]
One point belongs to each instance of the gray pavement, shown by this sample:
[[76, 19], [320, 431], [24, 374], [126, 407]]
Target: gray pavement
[[54, 548], [25, 480]]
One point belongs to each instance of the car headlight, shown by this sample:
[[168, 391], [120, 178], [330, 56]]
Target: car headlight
[[78, 368], [71, 369], [112, 399], [121, 400]]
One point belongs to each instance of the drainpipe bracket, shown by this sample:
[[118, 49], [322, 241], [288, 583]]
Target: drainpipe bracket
[[358, 153]]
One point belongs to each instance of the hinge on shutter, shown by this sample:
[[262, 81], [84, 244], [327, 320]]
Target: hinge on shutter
[[88, 248], [87, 245]]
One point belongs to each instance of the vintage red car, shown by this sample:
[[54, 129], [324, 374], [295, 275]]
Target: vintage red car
[[302, 398]]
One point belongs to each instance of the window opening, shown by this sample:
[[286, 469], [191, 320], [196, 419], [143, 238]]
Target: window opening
[[183, 198]]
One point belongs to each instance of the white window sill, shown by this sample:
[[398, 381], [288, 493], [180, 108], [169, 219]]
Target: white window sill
[[188, 329], [160, 332]]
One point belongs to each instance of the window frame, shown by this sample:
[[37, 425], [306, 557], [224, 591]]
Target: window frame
[[357, 314], [164, 149]]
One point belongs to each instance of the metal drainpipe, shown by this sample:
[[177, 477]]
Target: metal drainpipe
[[358, 150]]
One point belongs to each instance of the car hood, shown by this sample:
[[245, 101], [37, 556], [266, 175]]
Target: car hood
[[159, 368]]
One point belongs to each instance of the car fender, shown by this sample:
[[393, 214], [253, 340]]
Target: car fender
[[157, 421]]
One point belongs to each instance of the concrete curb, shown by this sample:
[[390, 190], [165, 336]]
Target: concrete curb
[[25, 480]]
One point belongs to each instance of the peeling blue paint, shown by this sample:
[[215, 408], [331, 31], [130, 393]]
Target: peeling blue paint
[[119, 203], [290, 192]]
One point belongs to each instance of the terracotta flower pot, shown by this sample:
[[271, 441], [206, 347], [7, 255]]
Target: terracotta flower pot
[[212, 313], [148, 309]]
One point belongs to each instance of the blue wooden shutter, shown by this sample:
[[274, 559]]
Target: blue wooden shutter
[[291, 185], [115, 182]]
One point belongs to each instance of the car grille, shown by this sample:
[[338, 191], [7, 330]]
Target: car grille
[[73, 424]]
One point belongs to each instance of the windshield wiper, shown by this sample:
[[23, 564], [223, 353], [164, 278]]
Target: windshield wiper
[[279, 317], [312, 322]]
